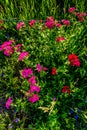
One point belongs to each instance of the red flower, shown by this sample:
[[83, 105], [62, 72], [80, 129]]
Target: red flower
[[81, 16], [60, 39], [49, 22], [32, 22], [58, 25], [66, 89], [66, 22], [73, 59], [71, 9], [53, 71], [50, 18], [20, 25]]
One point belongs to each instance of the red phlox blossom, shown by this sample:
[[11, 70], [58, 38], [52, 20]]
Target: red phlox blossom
[[8, 103], [20, 25], [27, 72], [50, 18], [66, 89], [66, 22], [58, 25], [53, 72], [71, 9], [49, 24], [22, 56], [73, 59], [75, 62], [32, 22], [59, 39], [81, 16]]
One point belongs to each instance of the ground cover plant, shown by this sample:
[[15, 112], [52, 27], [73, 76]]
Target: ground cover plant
[[43, 77]]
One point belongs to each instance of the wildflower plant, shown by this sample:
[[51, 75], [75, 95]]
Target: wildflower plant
[[40, 61]]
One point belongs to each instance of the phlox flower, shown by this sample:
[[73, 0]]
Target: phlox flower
[[32, 22], [39, 67], [58, 25], [27, 72], [66, 89], [33, 98], [22, 56], [50, 18], [66, 22], [18, 47], [81, 16], [76, 62], [49, 24], [71, 9], [53, 72], [8, 103], [59, 39], [73, 59], [20, 25], [34, 88], [32, 80], [5, 44], [45, 68], [8, 51]]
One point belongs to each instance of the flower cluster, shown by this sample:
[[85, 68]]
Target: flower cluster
[[20, 25], [80, 15], [72, 9], [26, 72], [33, 97], [34, 89], [22, 56], [7, 48], [49, 22], [66, 22], [66, 89], [73, 59]]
